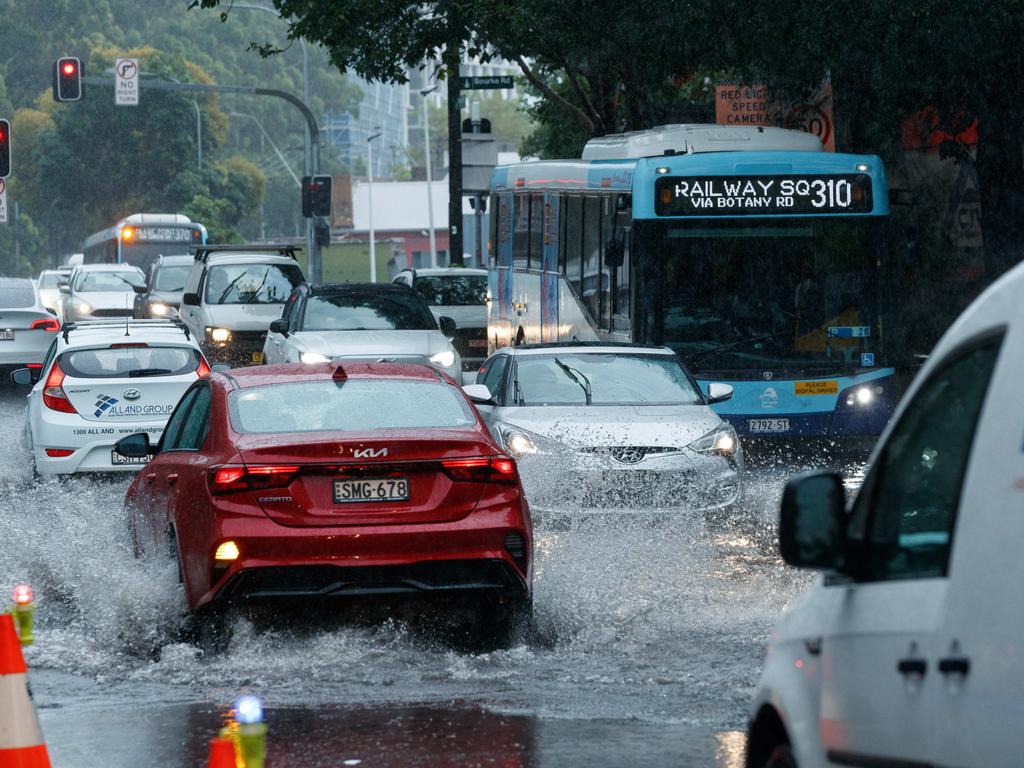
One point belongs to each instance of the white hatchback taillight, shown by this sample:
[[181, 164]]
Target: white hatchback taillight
[[54, 397]]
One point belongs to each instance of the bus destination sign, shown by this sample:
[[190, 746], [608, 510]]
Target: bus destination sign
[[762, 195], [163, 234]]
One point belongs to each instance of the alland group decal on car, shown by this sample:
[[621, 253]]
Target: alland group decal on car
[[105, 404]]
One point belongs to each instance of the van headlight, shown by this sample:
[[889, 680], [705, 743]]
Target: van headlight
[[445, 359], [721, 440], [160, 309], [219, 335]]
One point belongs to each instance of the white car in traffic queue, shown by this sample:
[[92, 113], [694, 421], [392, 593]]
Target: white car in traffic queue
[[604, 428], [361, 321], [26, 326], [99, 292], [48, 283], [100, 381], [906, 651]]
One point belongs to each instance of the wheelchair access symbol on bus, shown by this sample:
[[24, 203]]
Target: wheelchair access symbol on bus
[[867, 359]]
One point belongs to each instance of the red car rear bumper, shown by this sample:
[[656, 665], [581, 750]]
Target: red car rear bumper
[[490, 549]]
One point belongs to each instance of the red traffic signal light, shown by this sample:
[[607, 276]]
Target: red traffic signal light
[[5, 149], [67, 79]]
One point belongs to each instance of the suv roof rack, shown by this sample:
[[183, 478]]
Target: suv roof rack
[[202, 252], [126, 323]]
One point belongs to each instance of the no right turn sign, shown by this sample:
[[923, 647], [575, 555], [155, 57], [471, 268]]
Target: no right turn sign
[[126, 82], [3, 201]]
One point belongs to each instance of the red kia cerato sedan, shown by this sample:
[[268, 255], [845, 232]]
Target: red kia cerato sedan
[[314, 481]]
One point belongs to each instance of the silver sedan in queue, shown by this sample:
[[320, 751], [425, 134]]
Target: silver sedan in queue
[[603, 428]]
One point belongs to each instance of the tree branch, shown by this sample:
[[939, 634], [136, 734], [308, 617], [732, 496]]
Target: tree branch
[[554, 98], [578, 90]]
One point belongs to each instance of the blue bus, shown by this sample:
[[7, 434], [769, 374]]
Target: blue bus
[[139, 238], [758, 257]]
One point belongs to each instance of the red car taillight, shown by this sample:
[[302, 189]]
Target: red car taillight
[[59, 453], [53, 393], [232, 479], [483, 469], [203, 368], [49, 325]]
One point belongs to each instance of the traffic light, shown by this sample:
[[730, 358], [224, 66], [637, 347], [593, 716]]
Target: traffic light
[[316, 196], [67, 79], [5, 149]]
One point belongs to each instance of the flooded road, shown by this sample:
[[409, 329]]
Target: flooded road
[[647, 645]]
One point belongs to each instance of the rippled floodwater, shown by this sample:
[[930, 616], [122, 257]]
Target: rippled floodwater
[[660, 629]]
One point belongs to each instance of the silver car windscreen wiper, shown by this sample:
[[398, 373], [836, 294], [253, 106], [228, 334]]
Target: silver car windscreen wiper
[[572, 373]]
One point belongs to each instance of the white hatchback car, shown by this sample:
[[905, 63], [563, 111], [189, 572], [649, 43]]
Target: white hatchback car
[[602, 428], [103, 380], [907, 651]]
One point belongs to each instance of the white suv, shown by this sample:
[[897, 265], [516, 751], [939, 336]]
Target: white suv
[[233, 293], [103, 380], [907, 650]]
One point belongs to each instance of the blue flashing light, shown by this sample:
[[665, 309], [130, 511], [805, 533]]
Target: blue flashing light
[[248, 710]]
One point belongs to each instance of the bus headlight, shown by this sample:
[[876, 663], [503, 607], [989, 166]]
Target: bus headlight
[[445, 359], [721, 440], [863, 396]]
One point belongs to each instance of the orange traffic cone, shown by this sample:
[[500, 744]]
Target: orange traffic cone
[[222, 753], [21, 741]]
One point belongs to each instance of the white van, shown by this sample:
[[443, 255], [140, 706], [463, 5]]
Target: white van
[[909, 648]]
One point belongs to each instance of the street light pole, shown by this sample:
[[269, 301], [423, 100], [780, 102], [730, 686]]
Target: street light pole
[[369, 192], [430, 186], [199, 136]]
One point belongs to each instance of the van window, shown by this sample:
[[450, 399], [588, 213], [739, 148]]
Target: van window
[[909, 502]]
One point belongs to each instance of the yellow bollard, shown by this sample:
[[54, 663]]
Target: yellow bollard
[[22, 612]]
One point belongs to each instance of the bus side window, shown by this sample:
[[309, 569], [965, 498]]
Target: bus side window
[[492, 244], [573, 240], [591, 288], [521, 236], [620, 274], [536, 231]]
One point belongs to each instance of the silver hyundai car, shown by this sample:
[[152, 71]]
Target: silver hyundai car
[[600, 427]]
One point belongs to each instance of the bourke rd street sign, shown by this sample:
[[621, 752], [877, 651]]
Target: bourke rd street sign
[[486, 82]]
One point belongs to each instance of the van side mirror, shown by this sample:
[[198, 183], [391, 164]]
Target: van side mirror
[[140, 289], [812, 521], [719, 393], [447, 325], [192, 299], [280, 326], [136, 446]]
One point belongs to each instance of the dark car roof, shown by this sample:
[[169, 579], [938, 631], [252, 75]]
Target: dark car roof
[[261, 375], [343, 288]]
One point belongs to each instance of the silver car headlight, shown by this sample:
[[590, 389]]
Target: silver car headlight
[[721, 440], [445, 358], [518, 443], [314, 357], [81, 306]]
